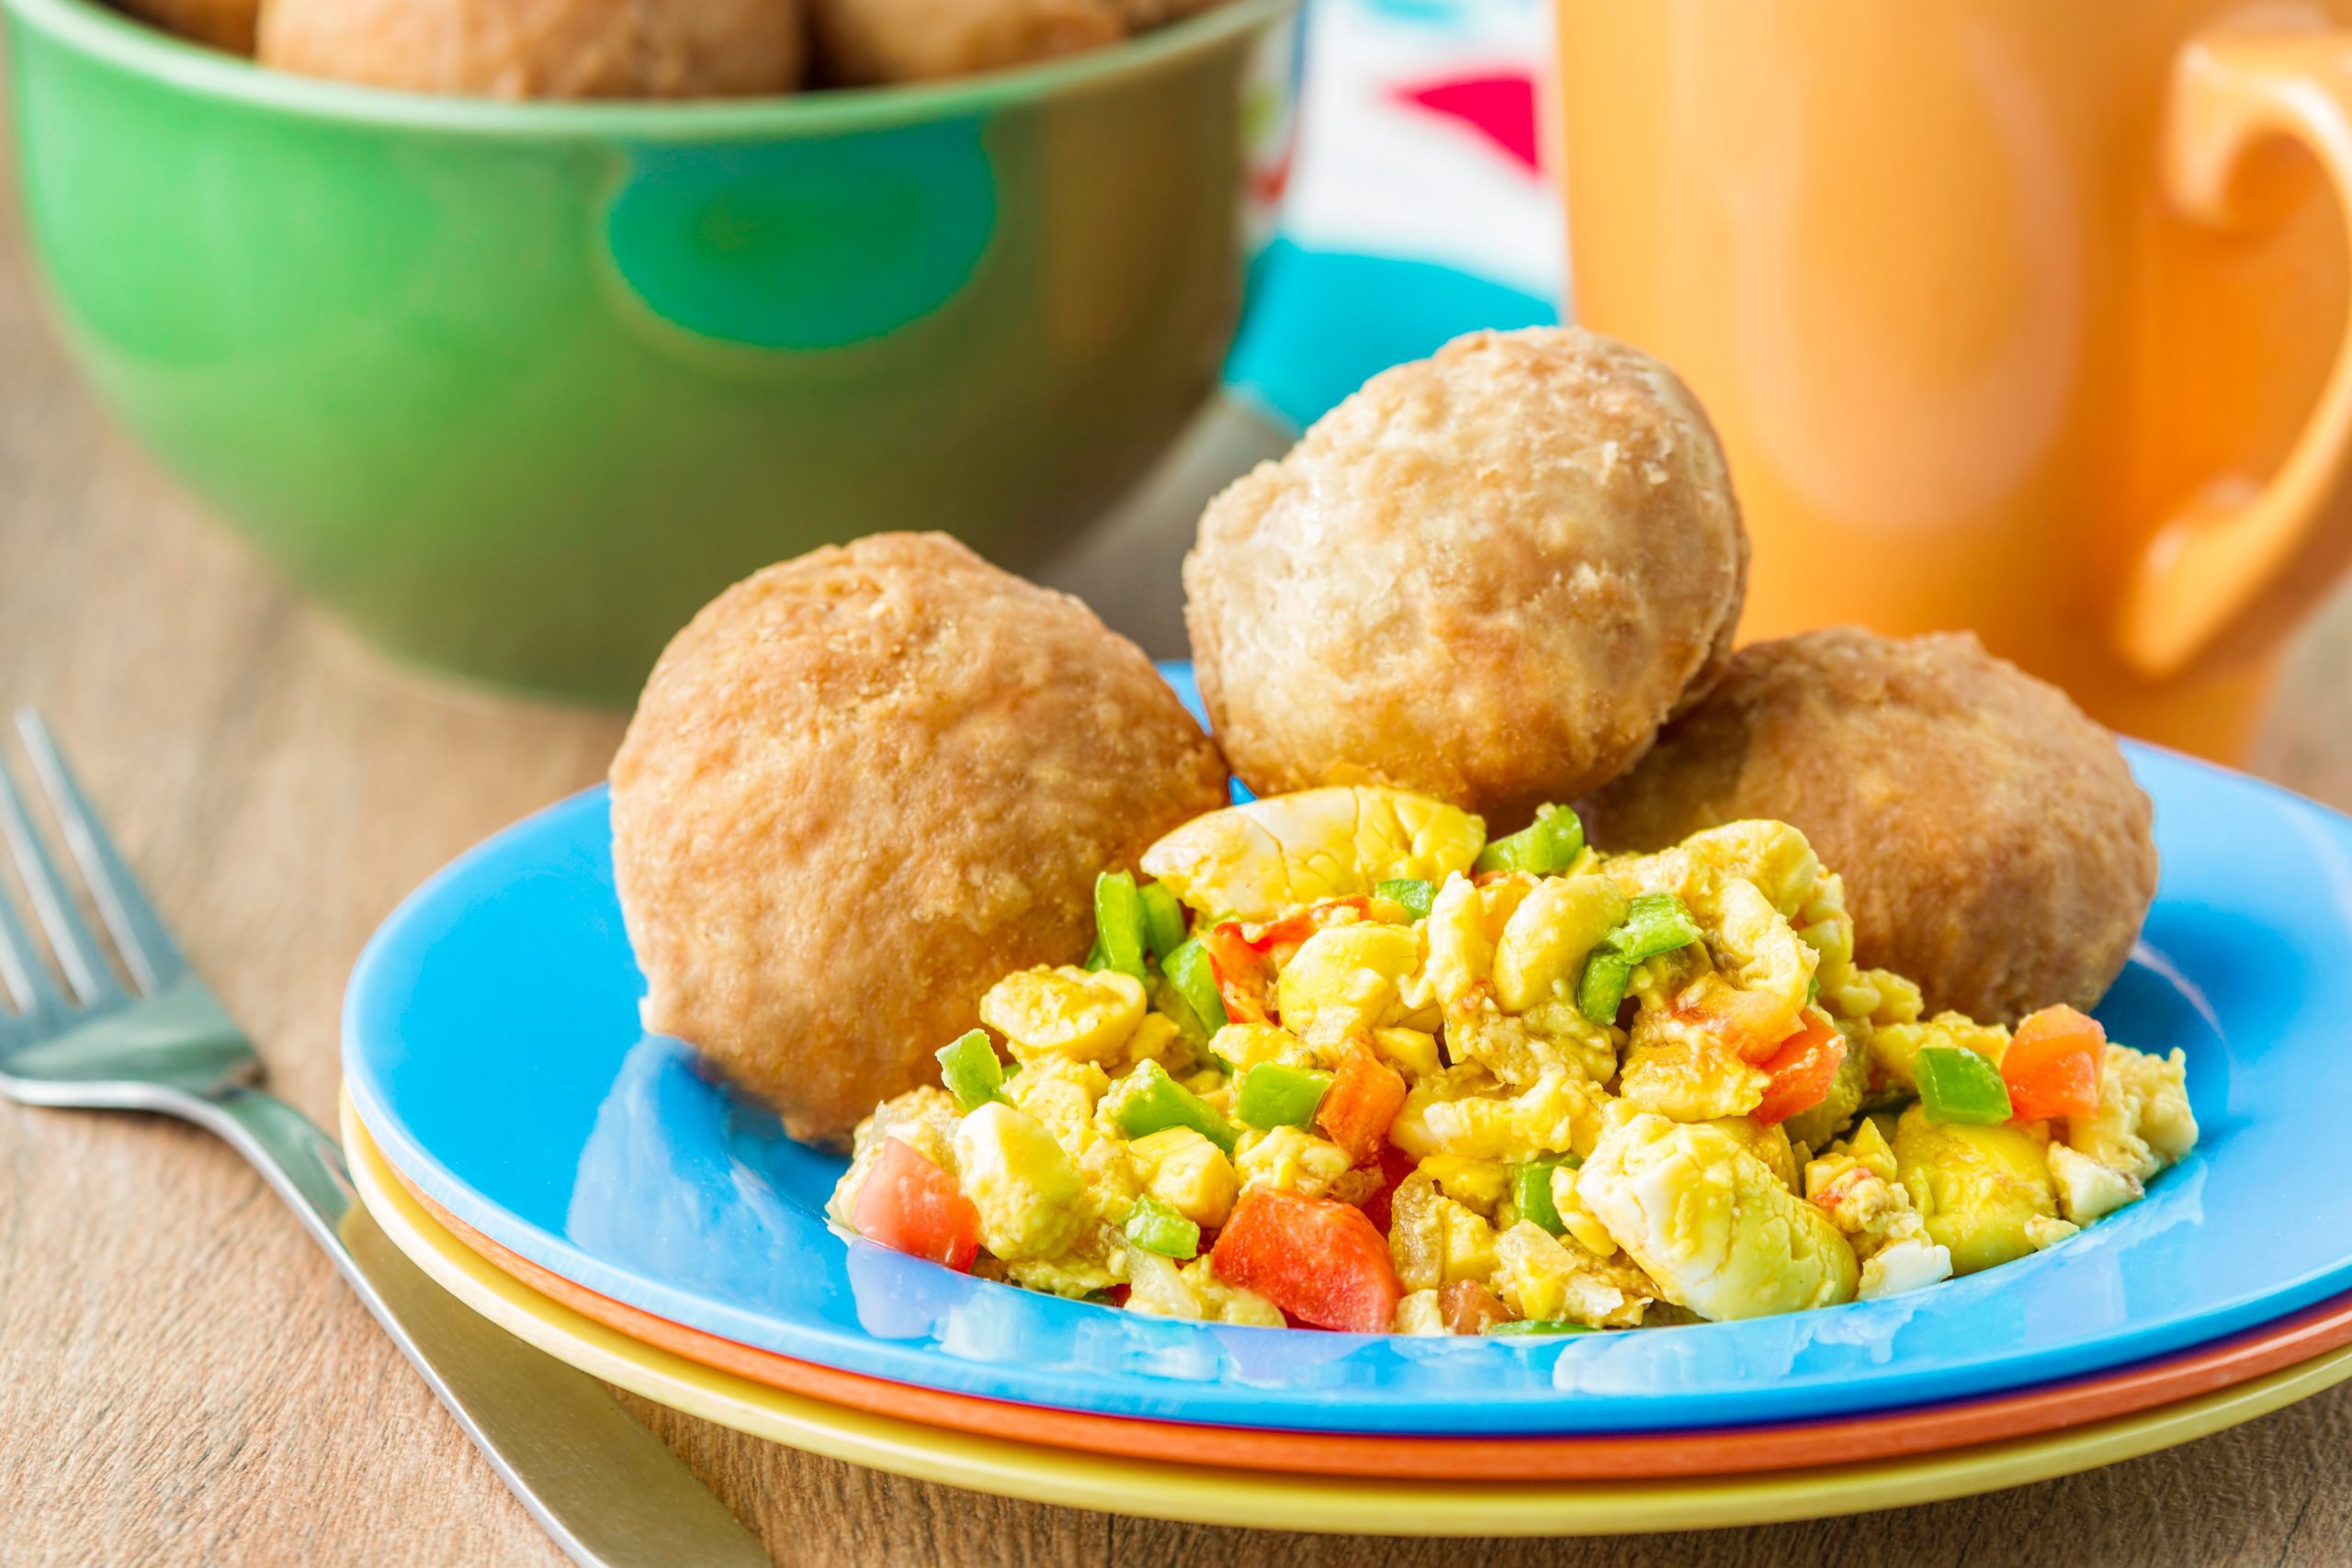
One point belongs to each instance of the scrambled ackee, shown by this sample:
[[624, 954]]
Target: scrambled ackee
[[1348, 1065]]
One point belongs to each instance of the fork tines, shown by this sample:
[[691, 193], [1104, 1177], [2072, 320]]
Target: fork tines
[[145, 947]]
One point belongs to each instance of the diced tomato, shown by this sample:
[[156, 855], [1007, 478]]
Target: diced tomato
[[1243, 978], [1363, 1099], [1288, 931], [1751, 1023], [910, 1205], [1802, 1069], [1320, 1261], [1292, 929], [1470, 1308], [1243, 956], [1394, 1165], [2051, 1065]]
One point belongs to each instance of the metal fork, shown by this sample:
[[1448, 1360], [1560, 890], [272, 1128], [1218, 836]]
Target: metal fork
[[605, 1489]]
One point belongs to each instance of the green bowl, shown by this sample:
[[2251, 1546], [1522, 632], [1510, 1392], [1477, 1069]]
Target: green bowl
[[513, 389]]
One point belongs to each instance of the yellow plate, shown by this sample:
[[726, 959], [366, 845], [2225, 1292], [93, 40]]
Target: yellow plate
[[1200, 1495]]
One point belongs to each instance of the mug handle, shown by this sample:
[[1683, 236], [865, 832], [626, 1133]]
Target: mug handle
[[2214, 561]]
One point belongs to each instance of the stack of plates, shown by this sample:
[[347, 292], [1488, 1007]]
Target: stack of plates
[[586, 1187]]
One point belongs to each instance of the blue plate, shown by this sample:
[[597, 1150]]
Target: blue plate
[[491, 1044]]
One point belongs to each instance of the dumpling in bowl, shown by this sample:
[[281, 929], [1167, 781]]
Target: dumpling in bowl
[[222, 24], [542, 49], [866, 43]]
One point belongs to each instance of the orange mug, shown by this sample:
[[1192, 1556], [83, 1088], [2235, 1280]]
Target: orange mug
[[2021, 315]]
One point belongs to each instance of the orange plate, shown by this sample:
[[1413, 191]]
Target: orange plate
[[1644, 1456]]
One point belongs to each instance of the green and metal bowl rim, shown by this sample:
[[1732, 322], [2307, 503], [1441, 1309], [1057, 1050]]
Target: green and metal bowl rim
[[104, 34]]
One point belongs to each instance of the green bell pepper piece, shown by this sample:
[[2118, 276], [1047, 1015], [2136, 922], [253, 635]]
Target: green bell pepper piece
[[1167, 1000], [1547, 845], [970, 1070], [1417, 895], [1118, 925], [1156, 1227], [1530, 1191], [1527, 1328], [1655, 923], [1163, 918], [1601, 991], [1148, 1101], [1274, 1095], [1956, 1085], [1188, 970]]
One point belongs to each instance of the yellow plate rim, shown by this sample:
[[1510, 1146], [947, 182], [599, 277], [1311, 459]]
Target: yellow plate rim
[[1201, 1494]]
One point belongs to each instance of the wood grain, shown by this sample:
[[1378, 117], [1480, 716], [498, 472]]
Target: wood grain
[[182, 1379]]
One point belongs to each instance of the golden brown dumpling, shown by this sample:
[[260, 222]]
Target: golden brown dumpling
[[1993, 845], [866, 42], [543, 48], [863, 785], [222, 24], [1487, 576]]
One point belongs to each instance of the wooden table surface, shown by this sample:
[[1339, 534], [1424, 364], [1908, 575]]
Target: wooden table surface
[[183, 1377]]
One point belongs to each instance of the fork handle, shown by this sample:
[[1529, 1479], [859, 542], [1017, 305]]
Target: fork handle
[[294, 1154], [608, 1492]]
